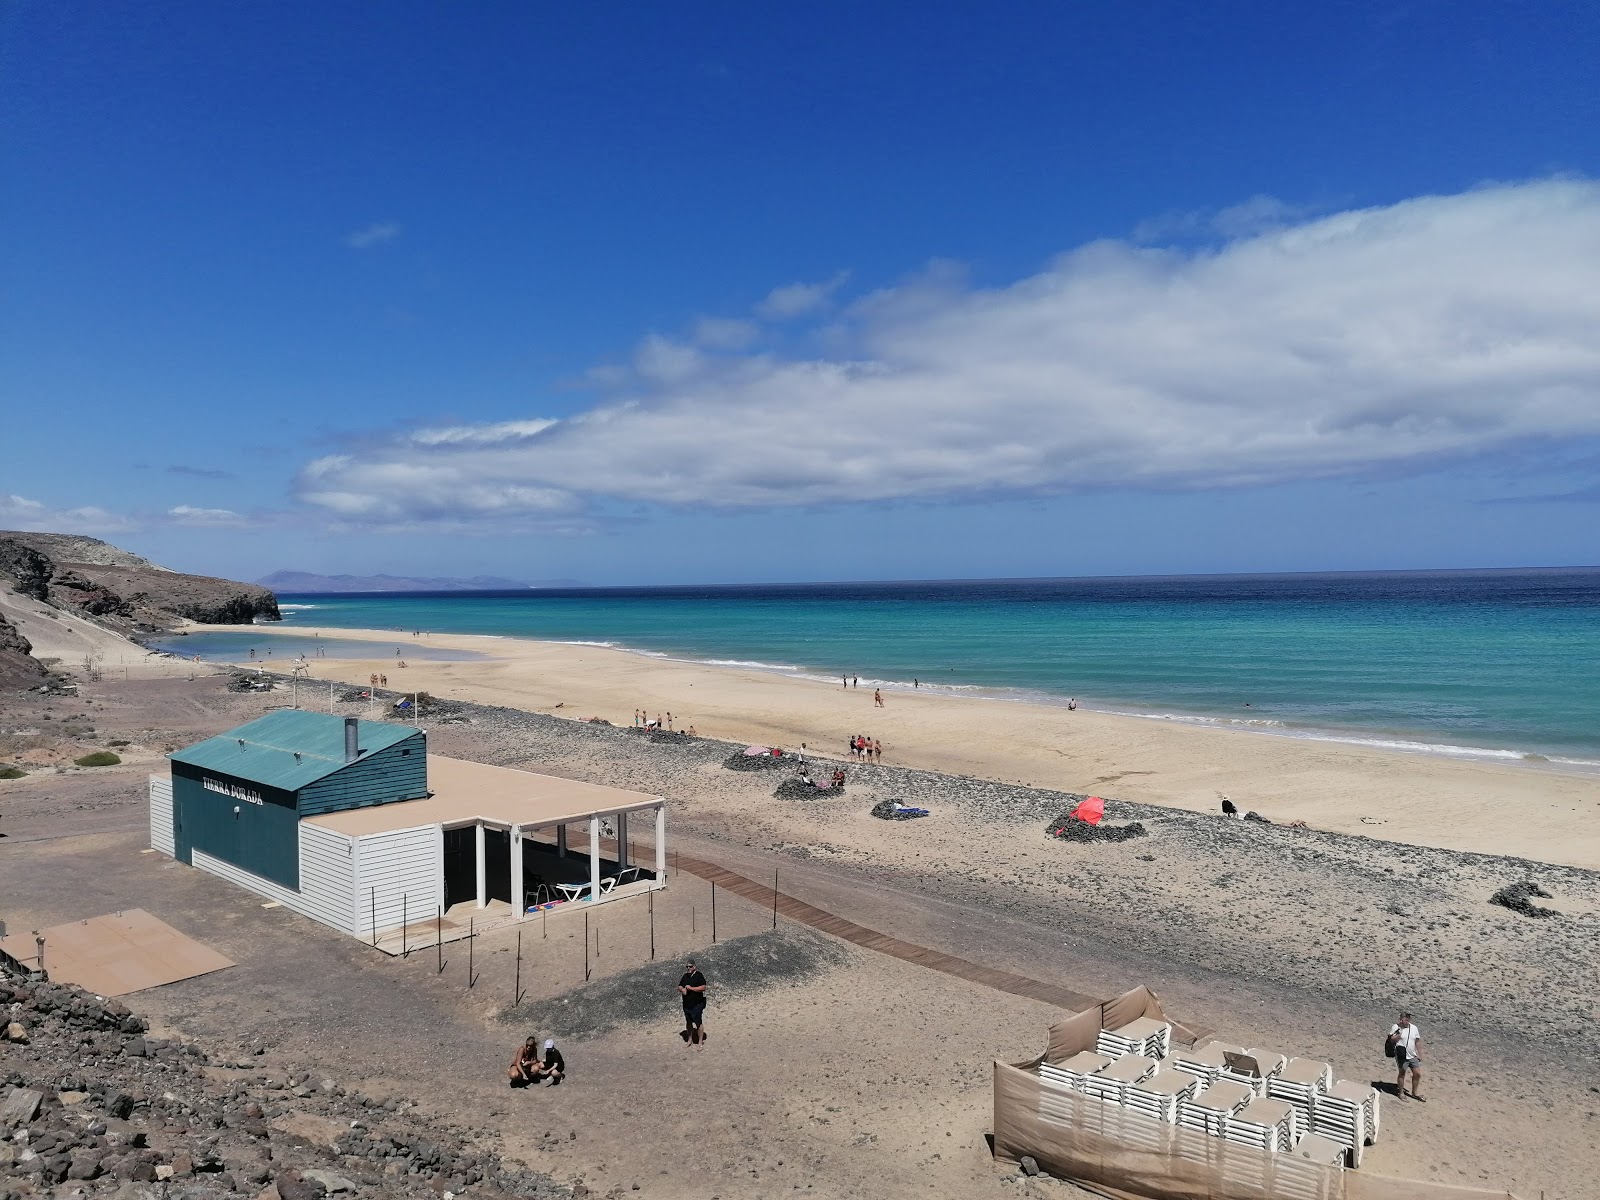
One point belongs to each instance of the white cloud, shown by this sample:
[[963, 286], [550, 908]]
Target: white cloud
[[17, 512], [212, 518], [798, 299], [723, 333], [375, 234], [1394, 338], [480, 435]]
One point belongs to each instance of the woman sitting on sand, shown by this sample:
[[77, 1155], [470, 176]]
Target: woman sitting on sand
[[525, 1068]]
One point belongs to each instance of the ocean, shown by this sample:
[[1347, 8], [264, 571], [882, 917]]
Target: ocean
[[1479, 664]]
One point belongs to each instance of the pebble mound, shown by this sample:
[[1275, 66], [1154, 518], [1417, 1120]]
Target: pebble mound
[[1067, 828], [759, 762], [799, 789], [1515, 896], [890, 810]]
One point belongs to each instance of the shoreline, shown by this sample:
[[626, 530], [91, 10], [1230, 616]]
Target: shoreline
[[1391, 741], [1532, 810]]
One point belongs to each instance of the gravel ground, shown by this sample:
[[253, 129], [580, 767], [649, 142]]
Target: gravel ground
[[1358, 917]]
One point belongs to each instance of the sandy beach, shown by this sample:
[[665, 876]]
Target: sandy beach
[[1526, 810], [1268, 935]]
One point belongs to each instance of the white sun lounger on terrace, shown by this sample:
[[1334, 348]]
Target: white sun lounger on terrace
[[1110, 1082], [1210, 1110], [1072, 1072], [1145, 1036], [1159, 1095], [1206, 1061]]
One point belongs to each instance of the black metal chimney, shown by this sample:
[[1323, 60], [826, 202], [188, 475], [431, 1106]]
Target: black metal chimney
[[352, 739]]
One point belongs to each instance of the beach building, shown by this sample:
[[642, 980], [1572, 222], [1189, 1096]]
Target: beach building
[[354, 824]]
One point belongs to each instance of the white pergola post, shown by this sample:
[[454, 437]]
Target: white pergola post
[[594, 857], [483, 871], [661, 843], [622, 840], [518, 897], [561, 840]]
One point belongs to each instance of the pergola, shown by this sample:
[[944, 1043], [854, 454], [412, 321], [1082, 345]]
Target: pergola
[[486, 799]]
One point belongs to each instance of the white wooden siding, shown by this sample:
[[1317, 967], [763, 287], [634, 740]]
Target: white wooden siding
[[327, 873], [399, 877], [161, 814]]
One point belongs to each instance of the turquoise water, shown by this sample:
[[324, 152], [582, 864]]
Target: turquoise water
[[1494, 664]]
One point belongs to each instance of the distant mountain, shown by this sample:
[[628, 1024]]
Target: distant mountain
[[307, 582]]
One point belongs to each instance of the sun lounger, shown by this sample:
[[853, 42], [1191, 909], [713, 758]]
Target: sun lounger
[[1300, 1082], [1313, 1147], [1158, 1095], [1210, 1110], [1206, 1061], [1267, 1063], [1145, 1036], [1072, 1072], [1110, 1082], [1347, 1114], [1270, 1125]]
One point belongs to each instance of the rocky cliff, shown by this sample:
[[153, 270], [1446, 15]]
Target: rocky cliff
[[18, 667], [123, 591]]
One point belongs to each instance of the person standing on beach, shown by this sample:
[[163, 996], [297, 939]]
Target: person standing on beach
[[692, 987], [877, 697], [1405, 1043], [855, 681], [844, 681], [877, 751]]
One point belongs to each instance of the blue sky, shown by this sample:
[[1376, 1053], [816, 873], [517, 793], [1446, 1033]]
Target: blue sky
[[707, 292]]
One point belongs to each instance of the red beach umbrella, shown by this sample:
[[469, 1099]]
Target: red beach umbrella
[[1091, 810]]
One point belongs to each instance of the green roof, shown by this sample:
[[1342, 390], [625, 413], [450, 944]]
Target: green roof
[[288, 749]]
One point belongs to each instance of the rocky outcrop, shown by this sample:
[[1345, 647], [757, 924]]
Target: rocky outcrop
[[92, 1104], [121, 590], [18, 667], [28, 569]]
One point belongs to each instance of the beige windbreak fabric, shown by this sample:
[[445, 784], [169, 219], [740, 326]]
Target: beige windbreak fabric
[[1121, 1154], [1127, 1156]]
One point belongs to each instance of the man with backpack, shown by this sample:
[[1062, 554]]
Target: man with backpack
[[1405, 1047]]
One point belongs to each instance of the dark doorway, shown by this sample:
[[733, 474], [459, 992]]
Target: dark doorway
[[460, 865], [497, 864]]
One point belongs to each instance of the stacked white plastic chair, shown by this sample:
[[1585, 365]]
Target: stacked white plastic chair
[[1205, 1061], [1347, 1114], [1270, 1125], [1071, 1073], [1159, 1095], [1209, 1111], [1111, 1082], [1144, 1036], [1301, 1083]]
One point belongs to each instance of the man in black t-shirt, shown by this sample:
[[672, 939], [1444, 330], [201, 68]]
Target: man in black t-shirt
[[692, 987], [555, 1067]]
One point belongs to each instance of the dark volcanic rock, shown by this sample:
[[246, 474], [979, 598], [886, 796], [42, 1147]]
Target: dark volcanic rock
[[122, 590], [1067, 828], [1515, 896], [18, 667]]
